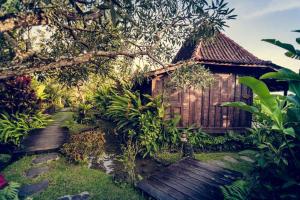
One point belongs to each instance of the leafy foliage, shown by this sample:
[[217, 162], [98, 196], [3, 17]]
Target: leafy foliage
[[17, 96], [194, 75], [84, 145], [276, 136], [229, 142], [238, 190], [292, 52], [143, 117], [105, 26], [10, 192], [128, 158], [14, 127]]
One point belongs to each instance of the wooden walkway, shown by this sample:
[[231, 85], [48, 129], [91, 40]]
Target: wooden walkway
[[188, 179], [49, 139]]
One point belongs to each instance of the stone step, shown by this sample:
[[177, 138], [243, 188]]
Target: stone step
[[37, 171], [28, 190], [45, 158]]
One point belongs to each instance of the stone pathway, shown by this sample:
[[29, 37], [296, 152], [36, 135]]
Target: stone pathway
[[35, 172], [40, 167], [35, 188], [229, 159], [45, 158], [81, 196]]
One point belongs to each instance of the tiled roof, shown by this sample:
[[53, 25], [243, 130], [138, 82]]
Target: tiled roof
[[220, 49]]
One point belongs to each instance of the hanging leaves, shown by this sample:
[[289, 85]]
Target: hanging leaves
[[191, 76]]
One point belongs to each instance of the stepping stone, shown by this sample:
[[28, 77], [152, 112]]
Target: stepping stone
[[35, 172], [28, 190], [81, 196], [85, 195], [76, 197], [67, 197], [230, 159], [246, 158], [218, 163], [46, 158]]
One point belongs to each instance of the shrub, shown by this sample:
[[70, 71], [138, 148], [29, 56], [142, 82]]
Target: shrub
[[229, 142], [17, 96], [14, 127], [128, 158], [275, 136], [10, 192], [102, 99], [84, 114], [145, 116], [83, 146]]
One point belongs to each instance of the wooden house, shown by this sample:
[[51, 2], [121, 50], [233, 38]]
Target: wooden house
[[202, 108]]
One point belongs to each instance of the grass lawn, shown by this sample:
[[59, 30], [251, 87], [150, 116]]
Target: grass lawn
[[241, 166], [66, 178], [69, 122]]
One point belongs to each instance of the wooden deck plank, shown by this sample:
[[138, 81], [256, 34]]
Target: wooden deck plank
[[192, 184], [201, 176], [218, 177], [188, 179], [153, 190], [48, 139]]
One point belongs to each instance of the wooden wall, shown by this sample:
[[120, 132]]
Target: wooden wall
[[201, 108]]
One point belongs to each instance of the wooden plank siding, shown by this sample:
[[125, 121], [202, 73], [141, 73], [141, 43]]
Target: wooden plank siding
[[202, 108]]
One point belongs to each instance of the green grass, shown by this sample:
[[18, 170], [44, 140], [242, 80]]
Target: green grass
[[66, 178], [69, 122], [241, 166]]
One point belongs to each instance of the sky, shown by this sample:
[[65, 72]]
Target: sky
[[266, 19]]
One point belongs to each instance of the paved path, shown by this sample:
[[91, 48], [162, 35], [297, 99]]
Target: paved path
[[49, 139]]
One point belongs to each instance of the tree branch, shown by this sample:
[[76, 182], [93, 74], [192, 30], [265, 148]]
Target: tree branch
[[23, 20], [66, 62], [12, 22]]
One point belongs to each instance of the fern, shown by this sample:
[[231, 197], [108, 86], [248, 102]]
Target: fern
[[10, 192], [238, 190], [13, 128]]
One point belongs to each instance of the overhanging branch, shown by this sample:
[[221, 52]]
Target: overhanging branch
[[67, 62]]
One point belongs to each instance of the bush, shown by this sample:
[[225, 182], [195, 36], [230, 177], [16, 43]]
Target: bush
[[102, 99], [14, 127], [275, 137], [10, 192], [229, 142], [17, 96], [83, 146], [144, 117]]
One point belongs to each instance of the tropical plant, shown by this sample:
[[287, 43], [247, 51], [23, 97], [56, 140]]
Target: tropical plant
[[17, 96], [191, 75], [10, 192], [277, 140], [128, 158], [238, 190], [292, 52], [14, 127], [145, 116], [83, 114], [202, 141], [84, 146], [102, 99]]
